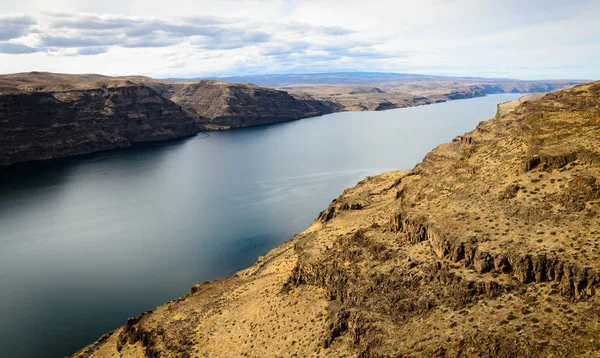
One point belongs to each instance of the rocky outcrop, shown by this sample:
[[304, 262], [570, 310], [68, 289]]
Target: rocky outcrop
[[365, 89], [342, 204], [385, 106], [574, 280], [52, 124], [243, 105]]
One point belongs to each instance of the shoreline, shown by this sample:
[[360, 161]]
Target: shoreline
[[207, 130]]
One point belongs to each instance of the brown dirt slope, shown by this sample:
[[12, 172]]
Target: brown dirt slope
[[488, 248]]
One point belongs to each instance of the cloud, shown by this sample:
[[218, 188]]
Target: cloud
[[295, 52], [67, 34], [70, 42], [15, 26], [289, 44], [285, 48], [229, 40], [205, 20], [101, 31], [89, 22], [304, 28], [354, 49], [191, 38], [16, 49], [91, 51]]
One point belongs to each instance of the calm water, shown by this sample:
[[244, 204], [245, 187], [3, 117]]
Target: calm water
[[87, 242]]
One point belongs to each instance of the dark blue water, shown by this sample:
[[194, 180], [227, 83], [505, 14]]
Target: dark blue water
[[87, 242]]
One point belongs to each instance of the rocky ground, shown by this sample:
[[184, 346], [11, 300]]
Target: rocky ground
[[488, 248]]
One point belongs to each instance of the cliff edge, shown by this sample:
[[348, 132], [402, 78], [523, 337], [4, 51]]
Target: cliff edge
[[48, 115], [489, 247], [241, 105]]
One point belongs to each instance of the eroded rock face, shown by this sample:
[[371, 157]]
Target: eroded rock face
[[243, 105], [44, 115], [467, 255], [53, 124]]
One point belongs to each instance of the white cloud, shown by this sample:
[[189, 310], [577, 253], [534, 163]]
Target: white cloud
[[523, 39], [15, 26]]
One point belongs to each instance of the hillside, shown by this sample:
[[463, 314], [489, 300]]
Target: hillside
[[48, 115], [374, 91], [242, 105], [371, 78], [489, 247], [381, 93], [50, 119]]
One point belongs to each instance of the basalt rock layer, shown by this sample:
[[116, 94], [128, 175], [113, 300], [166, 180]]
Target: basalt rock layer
[[481, 250], [45, 115], [49, 115], [50, 124], [243, 105]]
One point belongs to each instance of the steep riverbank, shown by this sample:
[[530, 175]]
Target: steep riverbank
[[487, 247], [45, 115], [49, 115]]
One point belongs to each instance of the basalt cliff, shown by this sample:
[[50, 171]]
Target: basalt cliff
[[490, 247], [49, 115], [46, 115]]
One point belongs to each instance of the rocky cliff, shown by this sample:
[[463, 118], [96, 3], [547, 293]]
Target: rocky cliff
[[44, 115], [44, 124], [488, 248], [49, 115], [243, 105]]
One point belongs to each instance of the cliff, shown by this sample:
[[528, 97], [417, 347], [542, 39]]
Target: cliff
[[242, 105], [59, 122], [49, 115], [489, 247], [46, 115]]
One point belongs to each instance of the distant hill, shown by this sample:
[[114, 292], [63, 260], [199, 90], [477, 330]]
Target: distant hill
[[367, 91], [354, 78], [362, 78]]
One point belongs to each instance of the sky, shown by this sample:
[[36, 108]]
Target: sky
[[526, 39]]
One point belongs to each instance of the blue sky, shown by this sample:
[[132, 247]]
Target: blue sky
[[519, 39]]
